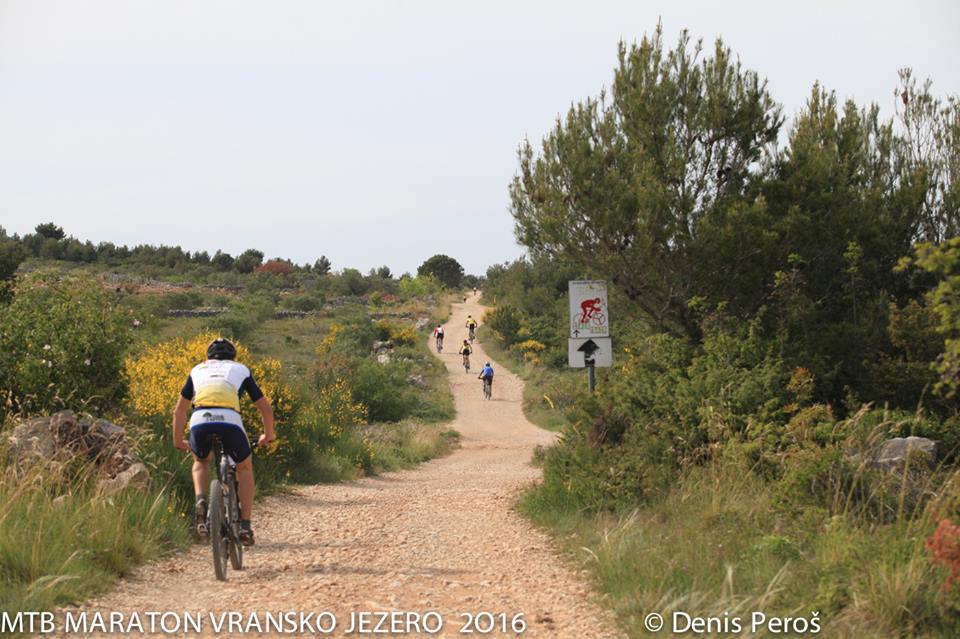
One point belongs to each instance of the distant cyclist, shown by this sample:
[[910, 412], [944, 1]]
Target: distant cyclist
[[213, 391], [465, 350], [472, 327], [438, 335], [487, 376]]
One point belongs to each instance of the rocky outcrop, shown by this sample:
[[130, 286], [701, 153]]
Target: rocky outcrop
[[893, 453], [136, 475], [64, 437], [383, 351]]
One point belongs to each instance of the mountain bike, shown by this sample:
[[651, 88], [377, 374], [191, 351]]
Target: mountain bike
[[223, 513], [466, 362], [439, 344], [487, 388], [473, 334]]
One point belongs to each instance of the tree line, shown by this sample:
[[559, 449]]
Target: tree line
[[50, 242]]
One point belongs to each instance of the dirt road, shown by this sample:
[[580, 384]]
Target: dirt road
[[439, 538]]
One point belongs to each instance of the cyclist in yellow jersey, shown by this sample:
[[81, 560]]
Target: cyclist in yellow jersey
[[471, 326], [213, 391], [465, 350]]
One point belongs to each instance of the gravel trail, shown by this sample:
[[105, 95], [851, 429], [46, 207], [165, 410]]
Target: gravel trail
[[438, 538]]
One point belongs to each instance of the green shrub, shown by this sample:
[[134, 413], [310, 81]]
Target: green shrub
[[505, 321], [383, 389], [243, 316], [62, 345]]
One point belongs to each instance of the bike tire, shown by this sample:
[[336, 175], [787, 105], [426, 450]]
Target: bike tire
[[218, 531], [234, 547]]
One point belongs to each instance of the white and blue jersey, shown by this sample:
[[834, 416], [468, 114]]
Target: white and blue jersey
[[214, 387]]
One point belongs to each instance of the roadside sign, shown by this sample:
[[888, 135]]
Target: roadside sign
[[589, 314], [581, 350]]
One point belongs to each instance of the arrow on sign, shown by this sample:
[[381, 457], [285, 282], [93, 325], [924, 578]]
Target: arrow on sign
[[576, 332], [588, 348]]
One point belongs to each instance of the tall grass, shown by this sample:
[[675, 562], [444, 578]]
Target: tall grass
[[407, 444], [720, 540], [61, 541]]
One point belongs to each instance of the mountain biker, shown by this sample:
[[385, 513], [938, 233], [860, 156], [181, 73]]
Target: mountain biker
[[471, 325], [438, 335], [465, 350], [213, 389], [487, 375]]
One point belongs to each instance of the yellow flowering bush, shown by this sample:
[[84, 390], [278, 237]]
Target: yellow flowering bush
[[530, 350], [330, 339], [400, 335], [325, 421], [156, 376], [335, 405]]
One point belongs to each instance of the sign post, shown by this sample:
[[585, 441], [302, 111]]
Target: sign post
[[589, 344]]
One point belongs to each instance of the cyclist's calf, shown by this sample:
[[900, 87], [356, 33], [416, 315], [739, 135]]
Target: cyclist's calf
[[245, 487]]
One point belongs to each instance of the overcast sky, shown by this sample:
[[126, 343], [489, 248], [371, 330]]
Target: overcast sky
[[371, 132]]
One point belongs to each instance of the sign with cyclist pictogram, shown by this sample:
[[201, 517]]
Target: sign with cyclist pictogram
[[588, 309]]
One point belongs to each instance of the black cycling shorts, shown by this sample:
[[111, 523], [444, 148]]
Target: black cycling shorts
[[235, 441]]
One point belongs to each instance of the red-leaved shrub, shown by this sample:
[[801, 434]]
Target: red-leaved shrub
[[944, 545]]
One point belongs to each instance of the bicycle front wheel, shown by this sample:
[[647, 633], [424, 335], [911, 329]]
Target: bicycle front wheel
[[218, 531]]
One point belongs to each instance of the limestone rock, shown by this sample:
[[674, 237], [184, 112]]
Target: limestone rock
[[893, 452], [136, 476]]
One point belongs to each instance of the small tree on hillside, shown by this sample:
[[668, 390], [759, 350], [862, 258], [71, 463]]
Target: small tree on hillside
[[249, 260], [444, 268], [322, 266], [50, 230], [11, 254], [222, 261]]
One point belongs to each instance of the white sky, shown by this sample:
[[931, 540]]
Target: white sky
[[371, 132]]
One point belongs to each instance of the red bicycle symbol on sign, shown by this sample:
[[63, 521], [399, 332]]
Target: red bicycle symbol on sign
[[591, 312]]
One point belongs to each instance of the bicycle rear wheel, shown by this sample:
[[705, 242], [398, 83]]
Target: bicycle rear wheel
[[218, 531]]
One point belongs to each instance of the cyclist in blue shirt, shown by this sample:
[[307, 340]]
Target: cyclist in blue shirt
[[487, 375]]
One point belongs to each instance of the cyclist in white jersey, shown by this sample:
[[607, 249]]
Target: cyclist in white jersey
[[213, 391]]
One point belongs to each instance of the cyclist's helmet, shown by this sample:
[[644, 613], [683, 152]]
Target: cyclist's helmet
[[487, 364], [221, 348]]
